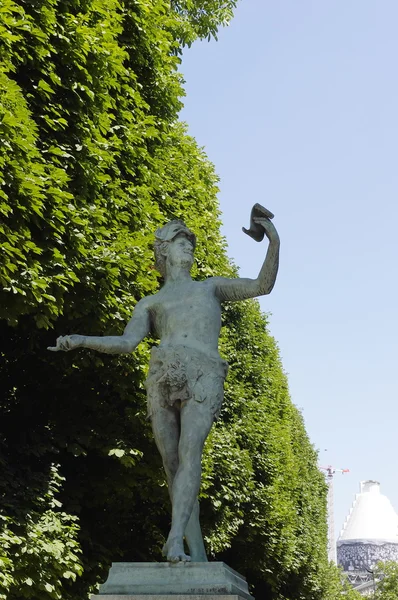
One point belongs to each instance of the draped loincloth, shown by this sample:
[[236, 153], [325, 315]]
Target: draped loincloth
[[178, 374]]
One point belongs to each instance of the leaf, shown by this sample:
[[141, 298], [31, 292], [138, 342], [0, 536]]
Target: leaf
[[116, 452]]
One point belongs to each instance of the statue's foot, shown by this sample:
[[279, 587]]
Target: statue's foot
[[173, 550]]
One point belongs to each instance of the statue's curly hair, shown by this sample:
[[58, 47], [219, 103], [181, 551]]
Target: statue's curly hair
[[160, 256]]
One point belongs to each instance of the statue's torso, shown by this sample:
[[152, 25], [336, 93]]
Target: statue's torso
[[187, 313]]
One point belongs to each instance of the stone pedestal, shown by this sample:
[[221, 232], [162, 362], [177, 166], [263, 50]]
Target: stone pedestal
[[170, 597], [180, 581]]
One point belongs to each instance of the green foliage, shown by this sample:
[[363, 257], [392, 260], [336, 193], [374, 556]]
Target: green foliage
[[386, 575], [38, 543], [201, 18], [336, 585], [92, 161]]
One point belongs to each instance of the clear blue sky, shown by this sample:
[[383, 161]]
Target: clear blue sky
[[297, 107]]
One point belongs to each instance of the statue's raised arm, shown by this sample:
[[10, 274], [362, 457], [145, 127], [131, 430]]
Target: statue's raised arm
[[242, 288]]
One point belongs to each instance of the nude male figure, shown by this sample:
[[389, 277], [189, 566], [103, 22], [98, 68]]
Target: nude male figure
[[186, 373]]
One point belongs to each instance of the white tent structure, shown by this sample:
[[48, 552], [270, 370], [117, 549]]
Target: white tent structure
[[369, 534]]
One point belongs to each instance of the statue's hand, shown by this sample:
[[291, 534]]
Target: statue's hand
[[260, 224], [67, 342], [269, 228]]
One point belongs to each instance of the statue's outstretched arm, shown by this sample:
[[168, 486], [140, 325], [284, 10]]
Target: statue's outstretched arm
[[242, 288], [136, 330]]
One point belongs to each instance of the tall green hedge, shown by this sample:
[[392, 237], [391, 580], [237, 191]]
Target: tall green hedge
[[92, 160]]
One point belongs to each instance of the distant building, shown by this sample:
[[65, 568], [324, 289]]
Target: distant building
[[369, 535]]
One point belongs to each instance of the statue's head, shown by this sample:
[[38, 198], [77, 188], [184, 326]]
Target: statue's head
[[175, 243]]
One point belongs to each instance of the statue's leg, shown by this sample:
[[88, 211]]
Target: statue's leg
[[166, 430], [196, 422], [208, 392], [193, 535]]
